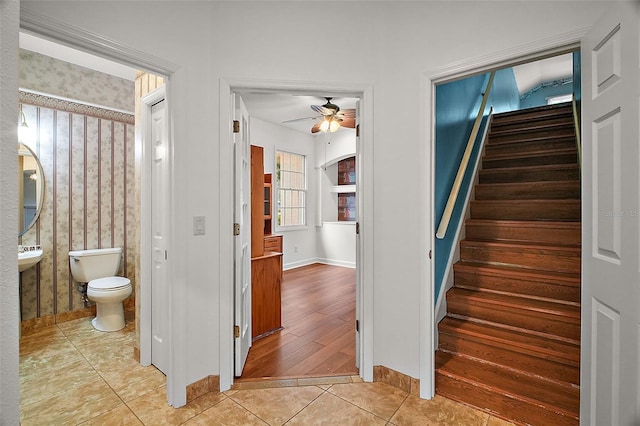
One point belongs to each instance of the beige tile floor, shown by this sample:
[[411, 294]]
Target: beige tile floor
[[71, 374]]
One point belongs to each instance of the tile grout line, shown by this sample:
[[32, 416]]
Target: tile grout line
[[101, 377], [364, 409]]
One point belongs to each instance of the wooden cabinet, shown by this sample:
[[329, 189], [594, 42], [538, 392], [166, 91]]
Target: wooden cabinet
[[273, 243], [266, 310], [257, 201], [268, 210], [266, 253]]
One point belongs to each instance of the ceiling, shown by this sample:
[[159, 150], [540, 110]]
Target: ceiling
[[279, 108]]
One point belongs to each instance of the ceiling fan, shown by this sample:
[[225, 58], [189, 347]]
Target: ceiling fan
[[331, 117]]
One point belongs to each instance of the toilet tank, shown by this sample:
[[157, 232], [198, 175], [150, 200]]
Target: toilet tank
[[87, 265]]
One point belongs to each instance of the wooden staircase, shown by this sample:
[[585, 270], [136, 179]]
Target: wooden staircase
[[510, 342]]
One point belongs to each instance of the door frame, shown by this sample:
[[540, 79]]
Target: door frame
[[97, 45], [535, 50], [146, 264], [365, 208]]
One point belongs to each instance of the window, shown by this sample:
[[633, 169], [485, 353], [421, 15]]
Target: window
[[292, 188]]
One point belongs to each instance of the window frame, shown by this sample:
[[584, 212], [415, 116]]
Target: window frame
[[304, 191]]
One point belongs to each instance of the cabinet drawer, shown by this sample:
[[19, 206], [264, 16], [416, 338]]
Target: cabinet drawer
[[273, 243]]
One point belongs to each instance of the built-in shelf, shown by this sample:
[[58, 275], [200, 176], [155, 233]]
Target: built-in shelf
[[343, 188]]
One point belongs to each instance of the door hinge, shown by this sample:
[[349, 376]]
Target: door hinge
[[236, 126], [357, 131], [430, 254], [165, 255], [236, 331], [357, 326], [236, 229], [357, 228]]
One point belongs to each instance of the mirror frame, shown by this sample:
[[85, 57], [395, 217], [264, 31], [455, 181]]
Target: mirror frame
[[40, 199]]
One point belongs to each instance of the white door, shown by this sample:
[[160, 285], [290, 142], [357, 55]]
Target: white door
[[159, 191], [610, 207], [358, 240], [242, 241]]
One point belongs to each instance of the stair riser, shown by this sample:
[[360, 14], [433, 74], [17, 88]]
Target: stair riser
[[497, 231], [524, 161], [525, 147], [546, 259], [511, 357], [526, 210], [519, 411], [530, 134], [529, 191], [507, 176], [515, 286], [552, 326], [528, 116], [554, 122]]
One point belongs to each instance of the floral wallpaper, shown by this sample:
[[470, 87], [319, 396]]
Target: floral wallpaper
[[88, 157], [44, 74]]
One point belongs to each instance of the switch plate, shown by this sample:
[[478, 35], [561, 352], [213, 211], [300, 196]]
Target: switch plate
[[198, 225]]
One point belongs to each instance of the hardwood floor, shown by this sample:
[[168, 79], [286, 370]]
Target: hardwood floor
[[318, 316]]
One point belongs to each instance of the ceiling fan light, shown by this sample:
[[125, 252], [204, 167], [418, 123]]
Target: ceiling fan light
[[329, 125]]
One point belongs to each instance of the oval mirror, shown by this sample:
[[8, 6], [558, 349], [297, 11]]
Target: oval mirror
[[30, 188]]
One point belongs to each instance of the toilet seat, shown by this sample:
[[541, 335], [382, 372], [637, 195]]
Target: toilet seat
[[109, 284]]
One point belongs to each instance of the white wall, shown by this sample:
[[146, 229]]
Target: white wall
[[388, 45], [298, 246]]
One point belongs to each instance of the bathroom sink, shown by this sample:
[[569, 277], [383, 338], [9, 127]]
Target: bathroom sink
[[28, 258]]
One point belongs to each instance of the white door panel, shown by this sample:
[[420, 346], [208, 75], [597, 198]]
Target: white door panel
[[159, 191], [242, 242], [611, 222]]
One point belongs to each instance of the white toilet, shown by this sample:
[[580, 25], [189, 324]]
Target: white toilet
[[97, 268]]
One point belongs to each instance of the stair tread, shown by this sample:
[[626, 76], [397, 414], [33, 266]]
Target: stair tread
[[569, 312], [562, 351], [543, 183], [530, 138], [567, 278], [524, 245], [520, 386], [527, 223], [532, 126], [552, 109], [528, 154], [543, 167]]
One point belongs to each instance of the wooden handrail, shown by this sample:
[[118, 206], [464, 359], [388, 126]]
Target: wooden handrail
[[455, 189], [576, 123]]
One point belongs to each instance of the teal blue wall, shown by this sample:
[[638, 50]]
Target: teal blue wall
[[539, 96], [457, 105]]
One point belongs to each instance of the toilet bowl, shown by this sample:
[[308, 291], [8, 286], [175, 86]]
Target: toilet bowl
[[97, 268], [109, 293]]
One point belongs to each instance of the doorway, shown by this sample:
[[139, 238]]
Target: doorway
[[307, 173], [99, 52], [363, 292]]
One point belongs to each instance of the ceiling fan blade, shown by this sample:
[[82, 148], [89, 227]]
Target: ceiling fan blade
[[348, 122], [316, 127], [322, 110], [348, 113], [302, 119]]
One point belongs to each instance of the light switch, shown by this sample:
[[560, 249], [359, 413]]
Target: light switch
[[198, 225]]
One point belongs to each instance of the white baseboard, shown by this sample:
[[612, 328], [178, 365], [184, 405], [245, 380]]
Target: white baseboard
[[335, 262], [307, 262], [299, 264]]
